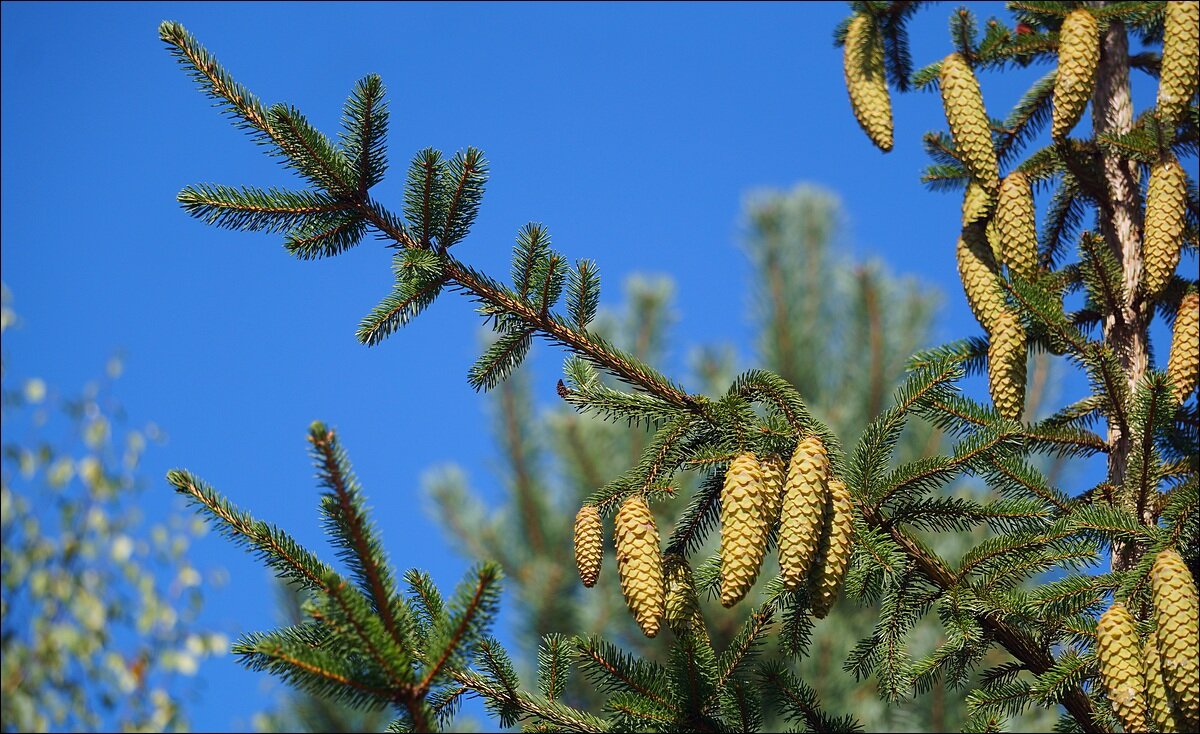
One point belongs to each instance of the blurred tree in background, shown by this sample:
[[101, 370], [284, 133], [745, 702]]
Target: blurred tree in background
[[99, 612], [818, 308]]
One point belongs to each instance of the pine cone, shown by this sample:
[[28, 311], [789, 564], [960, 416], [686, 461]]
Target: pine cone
[[1015, 223], [1158, 702], [866, 81], [682, 607], [589, 544], [835, 549], [995, 242], [1180, 61], [1006, 366], [1177, 611], [773, 471], [978, 272], [1121, 666], [977, 203], [805, 494], [744, 527], [639, 563], [1078, 56], [969, 124], [1166, 198], [1183, 366]]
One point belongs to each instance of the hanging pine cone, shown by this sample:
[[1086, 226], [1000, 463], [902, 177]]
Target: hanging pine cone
[[743, 527], [589, 544], [1006, 366], [835, 549], [979, 278], [1078, 57], [1180, 61], [639, 563], [977, 203], [1183, 365], [1166, 199], [1157, 698], [1016, 226], [1177, 612], [806, 491], [969, 124], [773, 472], [1121, 666], [862, 60], [995, 242], [682, 607]]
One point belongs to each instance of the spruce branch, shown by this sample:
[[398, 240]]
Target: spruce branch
[[351, 529], [364, 132]]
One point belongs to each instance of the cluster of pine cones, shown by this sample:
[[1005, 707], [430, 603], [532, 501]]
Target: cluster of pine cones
[[1161, 677], [811, 508], [998, 215]]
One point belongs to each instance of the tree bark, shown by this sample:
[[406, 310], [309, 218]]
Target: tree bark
[[1121, 226]]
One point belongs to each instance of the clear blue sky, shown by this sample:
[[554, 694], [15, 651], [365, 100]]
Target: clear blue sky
[[633, 131]]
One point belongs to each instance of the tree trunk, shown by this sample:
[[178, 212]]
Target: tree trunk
[[1121, 226]]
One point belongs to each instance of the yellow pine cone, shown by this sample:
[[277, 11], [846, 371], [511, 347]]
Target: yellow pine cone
[[977, 203], [805, 492], [773, 471], [1120, 660], [1158, 703], [1183, 366], [1078, 56], [1006, 366], [1016, 226], [835, 549], [995, 245], [1180, 61], [1177, 611], [589, 544], [862, 60], [682, 608], [1166, 197], [977, 269], [969, 125], [744, 527], [639, 563]]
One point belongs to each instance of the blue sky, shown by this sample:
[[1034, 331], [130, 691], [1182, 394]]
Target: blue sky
[[631, 130]]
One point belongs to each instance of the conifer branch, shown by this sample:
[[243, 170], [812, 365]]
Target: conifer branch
[[472, 615], [607, 666], [363, 549], [550, 711]]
